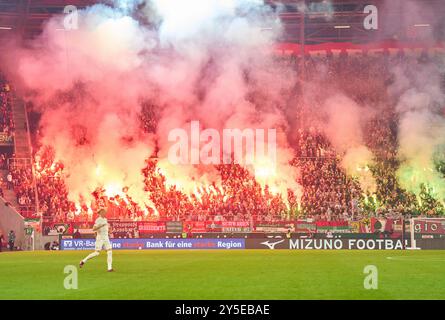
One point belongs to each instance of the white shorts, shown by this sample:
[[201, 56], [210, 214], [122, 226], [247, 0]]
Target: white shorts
[[103, 243]]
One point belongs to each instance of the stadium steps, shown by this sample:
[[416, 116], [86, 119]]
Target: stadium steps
[[10, 195], [22, 147]]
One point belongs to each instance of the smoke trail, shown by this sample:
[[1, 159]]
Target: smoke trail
[[200, 60], [90, 99], [421, 126], [344, 130]]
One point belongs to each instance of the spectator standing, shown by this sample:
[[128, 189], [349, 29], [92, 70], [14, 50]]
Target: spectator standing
[[2, 238], [289, 234], [11, 240], [9, 181], [77, 234]]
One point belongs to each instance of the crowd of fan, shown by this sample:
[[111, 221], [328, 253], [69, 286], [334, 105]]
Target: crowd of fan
[[372, 77], [6, 119], [22, 184], [237, 197], [328, 193], [6, 124]]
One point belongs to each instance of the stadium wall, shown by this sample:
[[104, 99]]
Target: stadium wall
[[10, 219], [41, 240]]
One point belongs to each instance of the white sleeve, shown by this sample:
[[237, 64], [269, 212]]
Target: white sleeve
[[97, 222]]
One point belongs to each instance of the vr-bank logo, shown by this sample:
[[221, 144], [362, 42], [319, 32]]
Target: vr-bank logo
[[272, 245]]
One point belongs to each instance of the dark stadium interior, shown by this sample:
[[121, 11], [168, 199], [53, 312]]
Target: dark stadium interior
[[27, 17]]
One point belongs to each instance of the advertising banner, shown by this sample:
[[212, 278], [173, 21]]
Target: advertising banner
[[152, 227], [32, 224], [54, 229], [431, 244], [195, 226], [251, 243], [123, 228], [214, 226], [387, 226], [305, 226], [267, 244], [173, 226], [326, 244], [429, 226], [275, 227], [361, 226], [145, 244], [81, 227], [381, 225], [235, 226], [346, 244], [333, 226]]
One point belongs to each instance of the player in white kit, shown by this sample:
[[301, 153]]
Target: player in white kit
[[102, 240]]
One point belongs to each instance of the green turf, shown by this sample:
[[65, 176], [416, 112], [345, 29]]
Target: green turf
[[244, 274]]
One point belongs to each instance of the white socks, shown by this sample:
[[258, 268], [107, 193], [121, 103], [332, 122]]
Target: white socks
[[110, 259], [91, 255]]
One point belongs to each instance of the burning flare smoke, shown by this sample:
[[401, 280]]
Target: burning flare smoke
[[205, 62]]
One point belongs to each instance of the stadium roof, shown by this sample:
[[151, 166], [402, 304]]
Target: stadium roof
[[27, 16], [323, 21]]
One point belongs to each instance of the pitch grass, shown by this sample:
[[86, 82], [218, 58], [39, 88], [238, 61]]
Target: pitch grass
[[244, 274]]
